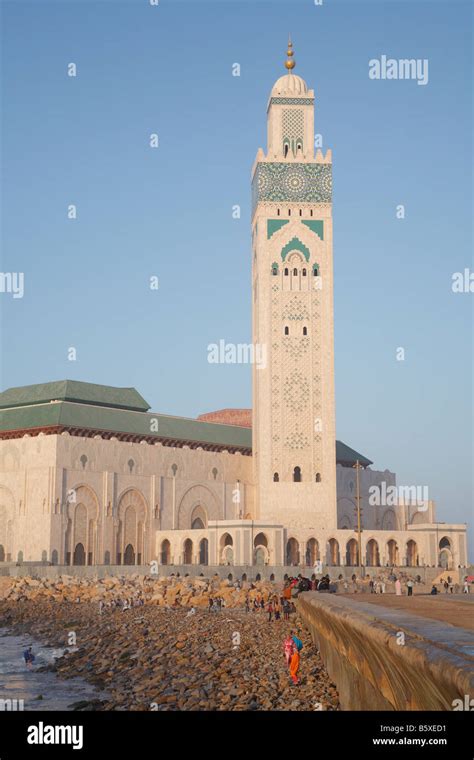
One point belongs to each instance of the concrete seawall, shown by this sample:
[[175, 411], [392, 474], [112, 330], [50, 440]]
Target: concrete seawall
[[384, 659]]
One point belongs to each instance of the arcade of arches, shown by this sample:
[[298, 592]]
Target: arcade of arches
[[129, 529]]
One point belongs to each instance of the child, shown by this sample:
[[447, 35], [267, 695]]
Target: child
[[288, 647], [29, 657]]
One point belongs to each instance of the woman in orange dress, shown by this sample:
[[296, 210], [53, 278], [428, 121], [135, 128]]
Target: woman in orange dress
[[294, 666]]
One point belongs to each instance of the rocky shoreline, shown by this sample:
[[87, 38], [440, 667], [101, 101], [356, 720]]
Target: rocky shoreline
[[159, 654]]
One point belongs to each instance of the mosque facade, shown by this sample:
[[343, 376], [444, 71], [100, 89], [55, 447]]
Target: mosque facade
[[90, 476]]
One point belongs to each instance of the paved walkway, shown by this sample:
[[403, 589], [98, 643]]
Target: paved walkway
[[456, 609]]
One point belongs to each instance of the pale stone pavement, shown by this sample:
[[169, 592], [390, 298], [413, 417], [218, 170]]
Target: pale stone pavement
[[456, 609]]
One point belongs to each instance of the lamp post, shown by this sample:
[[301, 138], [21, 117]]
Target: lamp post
[[357, 467]]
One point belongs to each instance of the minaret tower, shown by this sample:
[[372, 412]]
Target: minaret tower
[[292, 273]]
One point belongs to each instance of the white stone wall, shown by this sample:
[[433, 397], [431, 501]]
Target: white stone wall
[[46, 481], [56, 489]]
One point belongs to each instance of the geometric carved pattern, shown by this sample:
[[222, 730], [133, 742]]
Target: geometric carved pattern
[[296, 391], [295, 309], [292, 182], [292, 123], [296, 440], [292, 101], [295, 347]]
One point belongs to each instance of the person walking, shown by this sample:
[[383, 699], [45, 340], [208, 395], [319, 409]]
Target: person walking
[[410, 585], [295, 666], [398, 587], [465, 589], [270, 611]]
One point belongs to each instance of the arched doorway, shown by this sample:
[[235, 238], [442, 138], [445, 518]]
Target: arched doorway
[[79, 557], [412, 553], [226, 547], [312, 552], [188, 552], [261, 549], [372, 558], [392, 551], [334, 557], [444, 559], [129, 555], [352, 553], [81, 528], [292, 552], [445, 555], [165, 552], [204, 552], [2, 553], [54, 557], [132, 511], [260, 556]]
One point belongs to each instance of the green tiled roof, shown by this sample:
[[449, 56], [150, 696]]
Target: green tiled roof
[[73, 390], [70, 415], [102, 408]]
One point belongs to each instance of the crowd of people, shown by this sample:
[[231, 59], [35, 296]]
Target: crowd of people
[[121, 604]]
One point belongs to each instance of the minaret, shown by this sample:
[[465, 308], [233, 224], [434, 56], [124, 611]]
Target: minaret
[[292, 273]]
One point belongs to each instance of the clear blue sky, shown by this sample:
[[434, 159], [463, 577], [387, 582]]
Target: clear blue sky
[[167, 212]]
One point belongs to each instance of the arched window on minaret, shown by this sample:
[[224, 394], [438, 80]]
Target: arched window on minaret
[[299, 148], [318, 477], [286, 271], [295, 272], [304, 272], [286, 147], [274, 269], [315, 270], [305, 330], [297, 475], [276, 477], [287, 330]]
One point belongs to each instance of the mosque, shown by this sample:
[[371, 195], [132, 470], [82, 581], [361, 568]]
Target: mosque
[[90, 476]]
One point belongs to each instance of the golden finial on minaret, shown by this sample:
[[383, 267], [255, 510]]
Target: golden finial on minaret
[[290, 63]]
